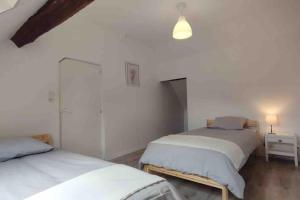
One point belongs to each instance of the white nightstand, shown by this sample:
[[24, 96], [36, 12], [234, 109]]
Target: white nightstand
[[282, 145]]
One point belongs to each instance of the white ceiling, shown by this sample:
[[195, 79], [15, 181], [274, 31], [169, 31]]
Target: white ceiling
[[150, 21]]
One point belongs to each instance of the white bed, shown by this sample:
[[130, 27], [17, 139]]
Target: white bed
[[60, 175]]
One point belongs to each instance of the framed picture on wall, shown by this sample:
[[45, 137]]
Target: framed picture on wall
[[132, 74]]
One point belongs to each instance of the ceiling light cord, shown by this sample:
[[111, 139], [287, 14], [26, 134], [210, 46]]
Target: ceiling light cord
[[181, 8]]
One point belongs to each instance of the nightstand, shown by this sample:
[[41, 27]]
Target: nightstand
[[282, 145]]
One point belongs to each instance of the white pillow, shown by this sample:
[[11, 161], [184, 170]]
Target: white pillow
[[21, 146]]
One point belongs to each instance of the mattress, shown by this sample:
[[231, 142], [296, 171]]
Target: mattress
[[203, 161], [23, 177]]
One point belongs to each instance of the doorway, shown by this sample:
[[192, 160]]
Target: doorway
[[179, 88], [80, 107]]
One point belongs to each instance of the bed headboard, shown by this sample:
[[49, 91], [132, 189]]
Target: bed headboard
[[43, 138], [250, 123]]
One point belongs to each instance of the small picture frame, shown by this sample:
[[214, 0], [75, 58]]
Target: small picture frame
[[132, 74]]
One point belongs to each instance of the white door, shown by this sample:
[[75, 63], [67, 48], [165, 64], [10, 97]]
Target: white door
[[80, 107]]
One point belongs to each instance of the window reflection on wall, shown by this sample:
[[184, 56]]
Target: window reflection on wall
[[7, 4]]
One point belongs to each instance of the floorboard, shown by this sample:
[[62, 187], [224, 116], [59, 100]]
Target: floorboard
[[275, 180]]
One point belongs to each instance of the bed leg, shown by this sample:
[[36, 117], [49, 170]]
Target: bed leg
[[224, 193], [146, 169]]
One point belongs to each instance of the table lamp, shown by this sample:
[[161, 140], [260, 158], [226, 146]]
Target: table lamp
[[271, 120]]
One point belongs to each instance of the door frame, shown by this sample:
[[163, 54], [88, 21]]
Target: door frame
[[102, 131]]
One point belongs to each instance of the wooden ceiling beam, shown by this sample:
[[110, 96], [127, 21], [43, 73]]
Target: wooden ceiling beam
[[50, 15]]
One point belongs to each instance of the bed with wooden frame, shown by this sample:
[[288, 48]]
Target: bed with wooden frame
[[34, 182], [196, 178], [45, 138]]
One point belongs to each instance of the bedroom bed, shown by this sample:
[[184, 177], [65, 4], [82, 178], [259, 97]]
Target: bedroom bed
[[211, 156], [46, 173]]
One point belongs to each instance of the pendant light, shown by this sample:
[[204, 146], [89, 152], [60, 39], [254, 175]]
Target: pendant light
[[182, 29]]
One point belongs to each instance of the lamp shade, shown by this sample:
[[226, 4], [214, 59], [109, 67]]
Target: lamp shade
[[271, 119], [182, 29]]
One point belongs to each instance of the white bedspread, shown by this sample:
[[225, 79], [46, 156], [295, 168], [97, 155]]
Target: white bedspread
[[115, 182], [230, 149]]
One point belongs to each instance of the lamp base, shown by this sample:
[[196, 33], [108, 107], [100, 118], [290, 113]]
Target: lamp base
[[271, 129]]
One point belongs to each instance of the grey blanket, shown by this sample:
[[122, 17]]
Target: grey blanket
[[23, 177], [207, 163]]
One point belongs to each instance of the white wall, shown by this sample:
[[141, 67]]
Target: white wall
[[248, 65], [132, 116]]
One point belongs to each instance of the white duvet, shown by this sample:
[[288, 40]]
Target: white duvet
[[110, 183], [230, 149]]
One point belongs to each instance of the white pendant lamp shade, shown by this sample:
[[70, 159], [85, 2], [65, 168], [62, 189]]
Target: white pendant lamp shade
[[182, 29]]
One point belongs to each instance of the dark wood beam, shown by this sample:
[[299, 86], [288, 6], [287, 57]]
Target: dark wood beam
[[52, 14]]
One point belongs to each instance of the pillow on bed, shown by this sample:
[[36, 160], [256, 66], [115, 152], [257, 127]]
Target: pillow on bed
[[230, 123], [21, 146]]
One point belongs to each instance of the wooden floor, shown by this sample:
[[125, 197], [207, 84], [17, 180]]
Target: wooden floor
[[276, 180]]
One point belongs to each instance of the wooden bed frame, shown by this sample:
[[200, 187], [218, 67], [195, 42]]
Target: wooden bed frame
[[43, 138], [189, 177], [196, 178]]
